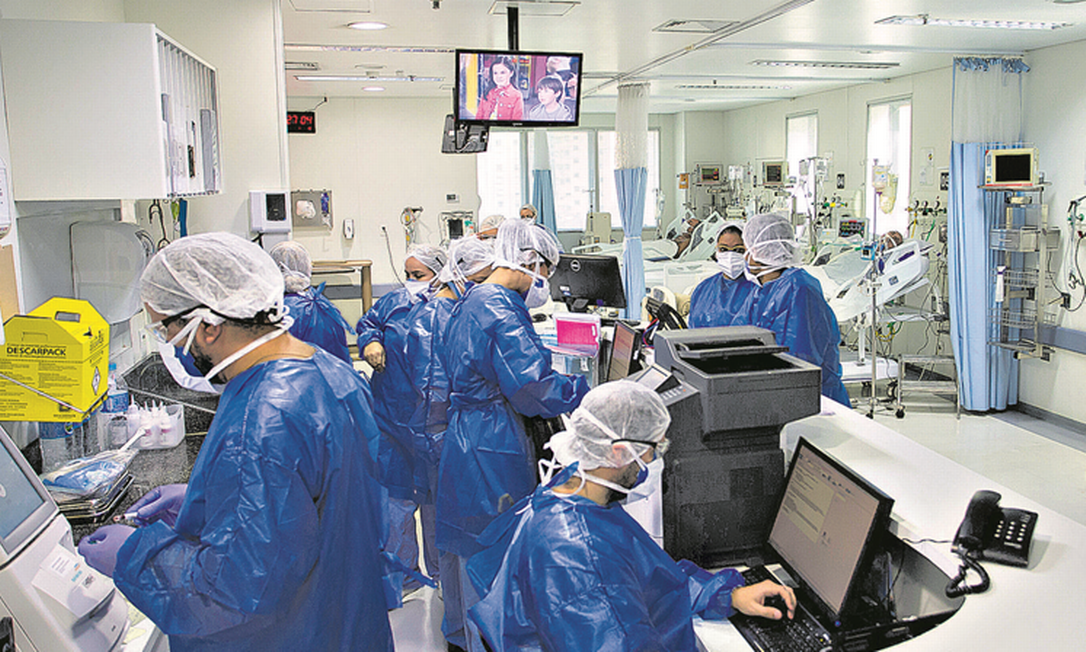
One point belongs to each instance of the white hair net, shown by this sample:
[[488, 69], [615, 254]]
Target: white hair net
[[491, 222], [467, 256], [629, 410], [294, 261], [531, 209], [770, 240], [433, 257], [731, 224], [233, 277], [522, 244]]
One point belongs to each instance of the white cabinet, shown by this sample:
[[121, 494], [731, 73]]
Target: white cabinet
[[107, 111]]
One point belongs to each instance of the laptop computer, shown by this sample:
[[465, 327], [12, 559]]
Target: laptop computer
[[825, 536]]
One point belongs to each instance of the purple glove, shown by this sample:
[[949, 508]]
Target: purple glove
[[100, 547], [160, 504]]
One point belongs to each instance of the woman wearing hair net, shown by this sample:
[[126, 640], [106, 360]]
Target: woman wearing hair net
[[568, 569], [789, 301], [470, 262], [499, 372], [274, 543], [715, 300], [382, 333], [316, 320]]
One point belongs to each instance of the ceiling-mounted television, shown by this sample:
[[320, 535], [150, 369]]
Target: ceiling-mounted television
[[503, 88]]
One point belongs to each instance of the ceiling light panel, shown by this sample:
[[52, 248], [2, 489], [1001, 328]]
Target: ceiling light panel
[[366, 78], [394, 49], [301, 65], [928, 21], [694, 26], [732, 87], [842, 65], [551, 8]]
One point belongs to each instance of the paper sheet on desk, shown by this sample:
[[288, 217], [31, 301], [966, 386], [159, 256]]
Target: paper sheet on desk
[[718, 636]]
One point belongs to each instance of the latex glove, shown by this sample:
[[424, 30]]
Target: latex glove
[[100, 547], [374, 353], [752, 600], [160, 504]]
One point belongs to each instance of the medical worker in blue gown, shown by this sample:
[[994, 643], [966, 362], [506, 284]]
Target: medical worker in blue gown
[[382, 333], [499, 372], [470, 262], [715, 300], [568, 569], [789, 301], [274, 542], [316, 320]]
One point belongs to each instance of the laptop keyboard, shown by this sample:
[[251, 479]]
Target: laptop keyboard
[[800, 634]]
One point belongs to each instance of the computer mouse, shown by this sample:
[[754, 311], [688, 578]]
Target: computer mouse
[[776, 602]]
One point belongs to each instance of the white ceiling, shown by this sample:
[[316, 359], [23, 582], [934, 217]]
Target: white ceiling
[[619, 43]]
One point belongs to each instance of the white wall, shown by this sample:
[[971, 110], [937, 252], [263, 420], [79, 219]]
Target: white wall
[[378, 156], [381, 155], [1055, 121]]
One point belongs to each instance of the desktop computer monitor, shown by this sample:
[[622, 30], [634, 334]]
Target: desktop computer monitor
[[583, 280], [623, 349]]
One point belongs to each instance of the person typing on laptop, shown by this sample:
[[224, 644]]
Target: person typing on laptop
[[566, 568]]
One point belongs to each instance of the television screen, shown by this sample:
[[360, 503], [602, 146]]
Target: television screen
[[514, 89]]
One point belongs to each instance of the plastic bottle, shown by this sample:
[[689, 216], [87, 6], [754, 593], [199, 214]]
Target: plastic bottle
[[60, 443], [112, 422]]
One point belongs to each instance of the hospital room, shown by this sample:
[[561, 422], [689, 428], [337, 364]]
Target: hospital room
[[563, 325]]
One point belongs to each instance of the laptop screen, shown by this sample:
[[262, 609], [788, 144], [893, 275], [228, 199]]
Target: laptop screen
[[827, 517]]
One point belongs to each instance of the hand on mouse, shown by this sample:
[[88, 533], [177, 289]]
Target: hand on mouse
[[758, 600]]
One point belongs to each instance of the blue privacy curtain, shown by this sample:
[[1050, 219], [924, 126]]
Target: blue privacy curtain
[[986, 110], [542, 184], [631, 174]]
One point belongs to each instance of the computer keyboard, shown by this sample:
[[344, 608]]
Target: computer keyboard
[[800, 634]]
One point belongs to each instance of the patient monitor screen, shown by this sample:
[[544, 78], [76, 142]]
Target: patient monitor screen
[[823, 523], [18, 499]]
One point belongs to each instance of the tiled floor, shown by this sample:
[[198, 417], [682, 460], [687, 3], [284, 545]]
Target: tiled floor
[[1035, 458]]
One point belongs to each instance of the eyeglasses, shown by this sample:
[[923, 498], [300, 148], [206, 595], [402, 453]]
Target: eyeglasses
[[659, 447], [159, 328], [739, 249]]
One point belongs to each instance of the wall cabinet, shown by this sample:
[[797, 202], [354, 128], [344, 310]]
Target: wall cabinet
[[107, 111]]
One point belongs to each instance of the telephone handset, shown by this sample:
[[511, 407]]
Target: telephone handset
[[997, 534]]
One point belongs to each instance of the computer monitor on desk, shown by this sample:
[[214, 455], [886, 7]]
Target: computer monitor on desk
[[583, 280]]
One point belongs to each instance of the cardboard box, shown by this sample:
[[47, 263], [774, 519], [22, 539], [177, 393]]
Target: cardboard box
[[60, 349]]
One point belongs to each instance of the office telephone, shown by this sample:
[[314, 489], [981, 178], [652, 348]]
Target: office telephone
[[992, 533]]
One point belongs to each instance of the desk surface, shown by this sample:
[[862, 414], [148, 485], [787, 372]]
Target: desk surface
[[1025, 609]]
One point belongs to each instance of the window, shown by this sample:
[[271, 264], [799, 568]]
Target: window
[[800, 142], [499, 175], [889, 142], [608, 196], [582, 163], [570, 176]]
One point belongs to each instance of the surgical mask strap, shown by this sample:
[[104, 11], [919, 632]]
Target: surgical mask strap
[[600, 481], [230, 359], [188, 332]]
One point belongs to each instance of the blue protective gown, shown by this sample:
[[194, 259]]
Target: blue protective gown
[[716, 300], [792, 306], [423, 355], [561, 572], [393, 394], [318, 322], [498, 370], [276, 546]]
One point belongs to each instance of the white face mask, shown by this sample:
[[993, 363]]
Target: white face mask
[[416, 287], [731, 263], [538, 293], [181, 375], [651, 485]]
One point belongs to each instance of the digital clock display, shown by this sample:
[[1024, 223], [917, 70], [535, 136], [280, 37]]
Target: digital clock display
[[301, 122]]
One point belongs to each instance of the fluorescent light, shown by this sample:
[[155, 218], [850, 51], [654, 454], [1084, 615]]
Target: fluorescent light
[[852, 65], [732, 87], [365, 78], [924, 19], [367, 25], [373, 89], [307, 47], [300, 65]]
